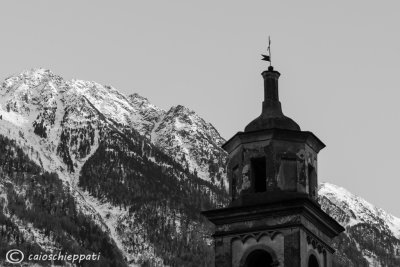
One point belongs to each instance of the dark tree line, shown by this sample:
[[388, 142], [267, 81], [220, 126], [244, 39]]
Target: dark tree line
[[160, 195], [50, 207]]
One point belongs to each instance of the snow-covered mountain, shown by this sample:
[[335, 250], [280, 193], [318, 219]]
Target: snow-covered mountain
[[40, 100], [80, 157], [112, 152], [372, 235]]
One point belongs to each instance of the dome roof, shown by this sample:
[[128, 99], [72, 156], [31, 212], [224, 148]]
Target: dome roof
[[263, 123]]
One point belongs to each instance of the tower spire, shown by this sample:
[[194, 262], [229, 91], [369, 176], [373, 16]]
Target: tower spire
[[271, 114]]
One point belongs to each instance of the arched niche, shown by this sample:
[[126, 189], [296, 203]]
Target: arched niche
[[313, 261], [259, 256]]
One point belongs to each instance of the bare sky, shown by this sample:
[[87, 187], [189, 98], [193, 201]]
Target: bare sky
[[339, 62]]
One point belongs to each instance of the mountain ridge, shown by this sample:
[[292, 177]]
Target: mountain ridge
[[134, 111]]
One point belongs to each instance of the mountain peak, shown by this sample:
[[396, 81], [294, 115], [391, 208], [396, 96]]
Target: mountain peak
[[37, 71], [141, 102], [181, 109], [32, 77], [137, 97]]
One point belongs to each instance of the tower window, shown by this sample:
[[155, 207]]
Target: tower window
[[235, 176], [259, 170], [312, 181]]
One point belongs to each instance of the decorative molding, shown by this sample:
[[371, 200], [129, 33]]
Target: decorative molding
[[316, 244], [256, 235]]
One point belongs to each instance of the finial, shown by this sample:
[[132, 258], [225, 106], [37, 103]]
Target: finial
[[268, 58]]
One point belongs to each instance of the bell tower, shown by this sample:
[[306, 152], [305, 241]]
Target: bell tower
[[273, 218]]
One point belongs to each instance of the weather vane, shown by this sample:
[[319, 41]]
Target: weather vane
[[265, 57]]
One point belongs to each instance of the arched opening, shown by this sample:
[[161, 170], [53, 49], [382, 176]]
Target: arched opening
[[259, 258], [312, 261]]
